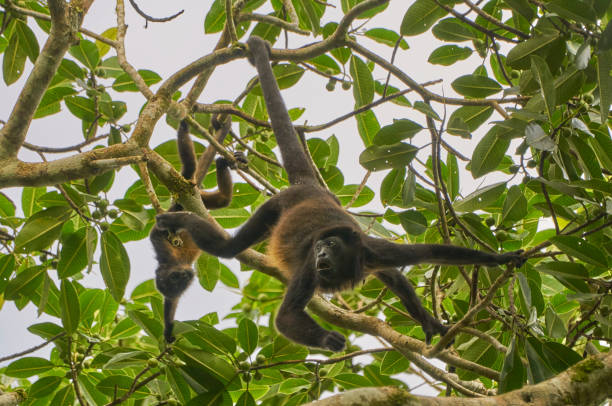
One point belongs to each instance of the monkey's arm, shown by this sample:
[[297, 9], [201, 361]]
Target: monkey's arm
[[208, 238], [293, 322], [398, 284], [294, 157], [384, 254]]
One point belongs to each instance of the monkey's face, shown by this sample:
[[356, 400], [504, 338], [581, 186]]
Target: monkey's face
[[334, 262], [172, 281]]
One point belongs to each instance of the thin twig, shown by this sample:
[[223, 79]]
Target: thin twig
[[31, 350], [154, 19]]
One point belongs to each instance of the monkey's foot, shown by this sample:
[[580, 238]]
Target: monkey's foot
[[334, 341]]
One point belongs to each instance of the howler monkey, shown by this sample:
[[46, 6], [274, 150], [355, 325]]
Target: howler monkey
[[315, 241], [176, 252]]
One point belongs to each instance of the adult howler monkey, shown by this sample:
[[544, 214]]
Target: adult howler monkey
[[177, 252], [315, 241]]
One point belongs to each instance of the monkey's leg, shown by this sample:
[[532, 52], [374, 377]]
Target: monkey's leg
[[293, 322], [223, 196], [208, 238], [384, 254], [398, 284]]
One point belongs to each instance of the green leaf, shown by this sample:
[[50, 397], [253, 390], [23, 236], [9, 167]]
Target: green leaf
[[540, 370], [25, 282], [481, 198], [414, 222], [453, 30], [81, 107], [210, 365], [64, 396], [575, 10], [376, 158], [542, 74], [87, 53], [347, 193], [513, 373], [351, 381], [420, 16], [73, 255], [70, 309], [325, 63], [13, 61], [119, 385], [41, 229], [515, 205], [537, 138], [363, 84], [114, 265], [124, 329], [210, 339], [28, 366], [447, 55], [391, 186], [319, 150], [559, 357], [50, 101], [519, 56], [476, 86], [215, 18], [604, 79], [581, 249], [209, 269], [230, 218], [91, 300], [248, 335], [44, 387], [283, 350], [393, 363], [111, 34], [286, 75], [489, 152], [523, 8], [368, 126], [396, 132], [246, 399], [387, 37], [27, 40], [124, 82], [555, 327]]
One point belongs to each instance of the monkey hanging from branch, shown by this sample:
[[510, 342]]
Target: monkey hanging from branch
[[176, 252], [314, 241]]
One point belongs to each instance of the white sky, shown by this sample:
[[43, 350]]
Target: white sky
[[166, 47]]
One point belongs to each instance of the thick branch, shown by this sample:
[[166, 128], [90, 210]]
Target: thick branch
[[13, 134], [586, 383], [14, 172]]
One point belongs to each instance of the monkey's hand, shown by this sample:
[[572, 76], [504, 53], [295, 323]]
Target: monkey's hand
[[514, 257], [239, 160], [431, 327], [333, 341]]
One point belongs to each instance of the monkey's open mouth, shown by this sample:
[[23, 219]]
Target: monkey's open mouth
[[324, 267]]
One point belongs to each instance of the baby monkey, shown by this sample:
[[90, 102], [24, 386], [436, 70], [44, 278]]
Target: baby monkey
[[176, 252]]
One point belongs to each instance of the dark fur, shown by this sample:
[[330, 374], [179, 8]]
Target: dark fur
[[296, 222], [176, 252]]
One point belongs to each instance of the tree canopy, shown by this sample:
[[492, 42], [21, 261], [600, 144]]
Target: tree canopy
[[534, 115]]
